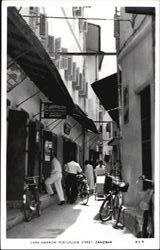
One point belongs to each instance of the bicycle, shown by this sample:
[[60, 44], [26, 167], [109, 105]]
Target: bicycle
[[31, 201], [83, 188], [147, 206], [113, 203]]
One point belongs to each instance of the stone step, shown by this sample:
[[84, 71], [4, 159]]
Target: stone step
[[16, 216], [132, 218]]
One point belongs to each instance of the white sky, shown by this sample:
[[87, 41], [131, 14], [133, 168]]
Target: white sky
[[108, 44], [107, 39]]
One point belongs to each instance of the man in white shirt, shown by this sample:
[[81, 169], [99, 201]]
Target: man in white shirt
[[72, 168], [56, 178]]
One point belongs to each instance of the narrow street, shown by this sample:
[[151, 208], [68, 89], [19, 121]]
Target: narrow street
[[79, 97], [75, 222]]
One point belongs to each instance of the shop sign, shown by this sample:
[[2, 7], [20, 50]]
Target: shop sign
[[47, 148], [37, 137], [67, 128], [52, 111]]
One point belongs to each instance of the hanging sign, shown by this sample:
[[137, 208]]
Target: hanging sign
[[67, 128], [52, 111]]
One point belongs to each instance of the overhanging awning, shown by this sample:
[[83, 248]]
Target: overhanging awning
[[82, 118], [114, 142], [140, 10], [25, 48], [114, 114], [106, 90]]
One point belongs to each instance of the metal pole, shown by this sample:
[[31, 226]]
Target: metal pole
[[78, 18], [27, 98], [84, 138], [40, 112], [52, 123], [57, 124], [85, 53], [78, 137]]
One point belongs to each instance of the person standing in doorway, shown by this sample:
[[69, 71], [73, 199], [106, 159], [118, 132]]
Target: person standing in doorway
[[56, 178], [72, 169], [89, 173]]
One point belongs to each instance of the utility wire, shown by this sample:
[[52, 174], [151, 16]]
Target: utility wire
[[78, 137], [80, 18], [57, 124], [52, 122], [28, 98]]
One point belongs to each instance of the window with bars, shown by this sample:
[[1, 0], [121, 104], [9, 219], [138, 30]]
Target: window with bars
[[76, 82], [51, 45], [83, 26], [77, 11], [63, 61], [68, 72], [74, 71], [33, 21], [126, 104], [84, 92], [146, 134], [42, 24], [57, 47]]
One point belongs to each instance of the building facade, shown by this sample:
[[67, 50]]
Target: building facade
[[34, 83], [135, 41]]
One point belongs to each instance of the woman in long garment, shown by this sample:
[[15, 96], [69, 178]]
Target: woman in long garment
[[89, 173]]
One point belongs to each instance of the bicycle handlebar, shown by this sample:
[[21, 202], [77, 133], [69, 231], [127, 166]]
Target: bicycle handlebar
[[31, 178], [143, 178]]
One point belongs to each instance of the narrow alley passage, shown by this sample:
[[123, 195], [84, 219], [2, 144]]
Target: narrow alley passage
[[70, 223]]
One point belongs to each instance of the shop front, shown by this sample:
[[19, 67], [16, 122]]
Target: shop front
[[16, 155], [30, 143], [93, 157]]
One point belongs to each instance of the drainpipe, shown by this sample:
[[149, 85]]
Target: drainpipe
[[83, 146], [117, 37]]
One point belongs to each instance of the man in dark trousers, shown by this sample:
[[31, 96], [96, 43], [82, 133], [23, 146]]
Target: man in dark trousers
[[72, 168]]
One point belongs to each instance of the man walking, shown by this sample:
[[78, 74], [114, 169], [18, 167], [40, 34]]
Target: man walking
[[72, 168], [56, 178]]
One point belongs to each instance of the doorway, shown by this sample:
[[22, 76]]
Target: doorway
[[146, 134]]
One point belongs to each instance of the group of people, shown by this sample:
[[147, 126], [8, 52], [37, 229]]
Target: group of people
[[72, 168]]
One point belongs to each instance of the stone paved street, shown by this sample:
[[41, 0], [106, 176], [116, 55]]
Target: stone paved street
[[70, 224]]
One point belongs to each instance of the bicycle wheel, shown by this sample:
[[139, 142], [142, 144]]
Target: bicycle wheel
[[116, 210], [27, 201], [84, 194], [117, 205], [105, 211], [37, 201], [39, 209]]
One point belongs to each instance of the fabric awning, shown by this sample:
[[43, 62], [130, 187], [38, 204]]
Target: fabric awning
[[140, 10], [83, 119], [114, 114], [106, 90], [24, 47], [114, 142]]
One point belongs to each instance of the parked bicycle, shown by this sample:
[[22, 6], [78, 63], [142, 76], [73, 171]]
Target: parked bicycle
[[83, 188], [147, 205], [31, 201], [113, 203]]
